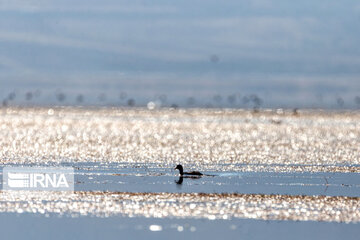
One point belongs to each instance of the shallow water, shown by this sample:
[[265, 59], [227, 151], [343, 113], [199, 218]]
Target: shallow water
[[149, 178], [40, 227], [271, 165], [164, 180]]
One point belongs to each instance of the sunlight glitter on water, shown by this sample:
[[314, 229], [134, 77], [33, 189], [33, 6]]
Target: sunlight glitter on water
[[110, 147], [184, 205], [196, 137]]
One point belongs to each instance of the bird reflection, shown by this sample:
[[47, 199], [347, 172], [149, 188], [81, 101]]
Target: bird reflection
[[181, 179]]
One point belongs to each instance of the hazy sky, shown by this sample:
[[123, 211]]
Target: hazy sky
[[295, 52]]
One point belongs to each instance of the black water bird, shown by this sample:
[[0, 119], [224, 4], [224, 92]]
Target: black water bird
[[193, 173]]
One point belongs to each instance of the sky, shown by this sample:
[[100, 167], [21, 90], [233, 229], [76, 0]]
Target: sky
[[289, 54]]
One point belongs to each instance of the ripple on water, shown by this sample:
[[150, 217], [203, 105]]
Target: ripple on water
[[325, 141], [184, 205]]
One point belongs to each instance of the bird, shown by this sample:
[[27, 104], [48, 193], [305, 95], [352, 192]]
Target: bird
[[193, 173]]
